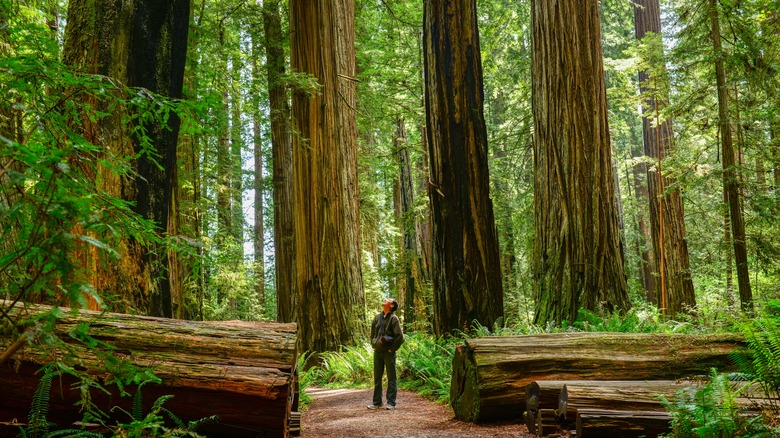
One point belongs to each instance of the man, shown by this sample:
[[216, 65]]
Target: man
[[386, 338]]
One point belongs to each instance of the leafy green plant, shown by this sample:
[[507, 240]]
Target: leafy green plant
[[38, 424], [153, 422], [712, 411], [424, 366]]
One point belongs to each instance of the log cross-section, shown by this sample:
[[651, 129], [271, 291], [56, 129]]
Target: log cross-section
[[242, 372], [490, 374]]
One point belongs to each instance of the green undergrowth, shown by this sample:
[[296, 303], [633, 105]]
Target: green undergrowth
[[424, 365]]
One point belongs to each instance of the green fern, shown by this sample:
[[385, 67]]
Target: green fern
[[138, 404], [711, 410], [39, 409], [762, 364], [73, 433]]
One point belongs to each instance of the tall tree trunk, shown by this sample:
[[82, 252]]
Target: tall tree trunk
[[466, 264], [236, 161], [578, 259], [730, 180], [281, 144], [774, 142], [727, 244], [257, 142], [329, 285], [504, 223], [157, 56], [223, 176], [142, 45], [408, 219], [667, 219], [645, 249]]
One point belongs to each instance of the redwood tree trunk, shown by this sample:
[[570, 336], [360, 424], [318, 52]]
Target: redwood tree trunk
[[644, 247], [328, 283], [466, 270], [407, 221], [731, 182], [666, 209], [281, 145], [142, 45], [257, 142], [578, 259]]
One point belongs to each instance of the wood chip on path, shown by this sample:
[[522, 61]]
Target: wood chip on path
[[344, 413]]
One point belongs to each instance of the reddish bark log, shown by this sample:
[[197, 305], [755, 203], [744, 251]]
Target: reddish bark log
[[243, 372]]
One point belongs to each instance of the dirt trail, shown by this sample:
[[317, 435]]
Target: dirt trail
[[344, 413]]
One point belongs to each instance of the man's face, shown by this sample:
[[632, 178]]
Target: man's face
[[387, 305]]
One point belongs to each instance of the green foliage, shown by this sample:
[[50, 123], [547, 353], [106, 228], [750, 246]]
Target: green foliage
[[39, 409], [153, 423], [711, 411], [352, 366], [762, 365], [424, 365]]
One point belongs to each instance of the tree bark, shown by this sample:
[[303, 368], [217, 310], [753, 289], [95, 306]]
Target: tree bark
[[667, 218], [626, 395], [407, 222], [249, 368], [466, 270], [490, 374], [281, 145], [578, 259], [644, 244], [622, 424], [141, 45], [258, 236], [236, 161], [731, 183], [329, 285]]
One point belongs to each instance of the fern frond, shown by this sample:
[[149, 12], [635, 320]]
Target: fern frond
[[40, 404], [194, 425], [179, 423], [138, 404], [161, 401], [74, 433]]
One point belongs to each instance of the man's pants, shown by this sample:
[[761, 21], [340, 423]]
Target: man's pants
[[382, 360]]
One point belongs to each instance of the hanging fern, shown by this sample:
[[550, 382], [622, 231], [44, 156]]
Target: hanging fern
[[39, 425]]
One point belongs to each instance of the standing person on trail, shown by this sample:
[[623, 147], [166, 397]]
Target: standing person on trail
[[386, 338]]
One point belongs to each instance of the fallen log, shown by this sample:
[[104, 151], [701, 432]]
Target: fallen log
[[626, 395], [489, 374], [630, 395], [601, 423], [243, 372]]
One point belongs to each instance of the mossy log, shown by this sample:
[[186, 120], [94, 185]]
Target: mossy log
[[490, 374], [601, 423], [243, 372]]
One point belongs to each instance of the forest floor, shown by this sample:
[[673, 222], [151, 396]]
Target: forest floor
[[344, 413]]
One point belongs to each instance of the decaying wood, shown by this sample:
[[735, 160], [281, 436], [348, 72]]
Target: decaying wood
[[627, 395], [490, 374], [621, 424], [243, 372]]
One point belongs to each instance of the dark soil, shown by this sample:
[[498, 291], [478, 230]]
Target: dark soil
[[344, 413]]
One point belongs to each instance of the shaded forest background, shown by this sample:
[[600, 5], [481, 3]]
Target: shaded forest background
[[81, 136]]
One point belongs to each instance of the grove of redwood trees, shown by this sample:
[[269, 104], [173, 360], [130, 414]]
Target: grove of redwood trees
[[301, 118]]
